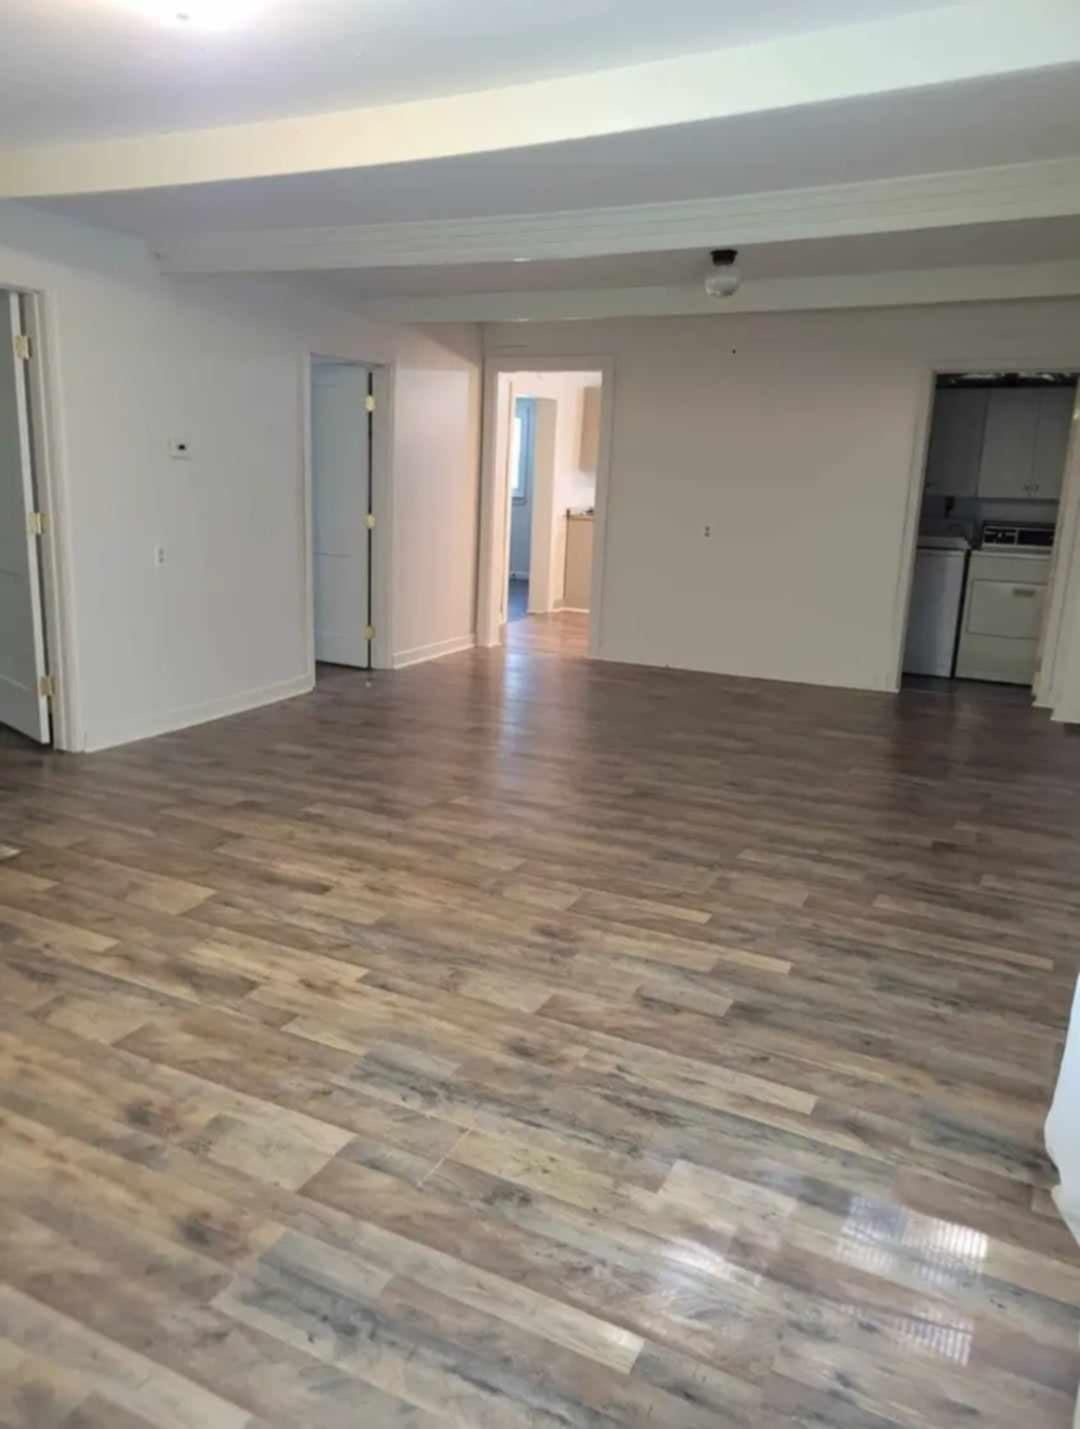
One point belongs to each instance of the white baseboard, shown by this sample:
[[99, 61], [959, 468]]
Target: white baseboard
[[419, 653], [571, 609], [184, 716]]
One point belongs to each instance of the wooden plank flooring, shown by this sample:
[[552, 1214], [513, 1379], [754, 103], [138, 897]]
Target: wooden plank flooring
[[514, 1042]]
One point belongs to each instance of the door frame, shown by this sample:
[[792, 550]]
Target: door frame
[[1064, 577], [382, 496], [51, 495], [494, 488]]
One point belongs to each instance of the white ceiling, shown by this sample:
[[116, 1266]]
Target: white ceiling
[[1008, 119], [90, 69], [1048, 240], [933, 147]]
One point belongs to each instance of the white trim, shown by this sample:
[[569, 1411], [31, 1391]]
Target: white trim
[[419, 653], [1048, 188], [490, 565], [182, 716], [945, 45]]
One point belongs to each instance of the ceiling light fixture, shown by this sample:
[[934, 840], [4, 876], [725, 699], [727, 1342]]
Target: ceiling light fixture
[[723, 277]]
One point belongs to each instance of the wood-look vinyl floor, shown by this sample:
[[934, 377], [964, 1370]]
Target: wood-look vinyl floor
[[565, 632], [517, 1042]]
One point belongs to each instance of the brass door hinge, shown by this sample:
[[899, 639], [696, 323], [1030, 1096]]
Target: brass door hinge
[[37, 522], [369, 521], [369, 403], [22, 347], [369, 632], [46, 687]]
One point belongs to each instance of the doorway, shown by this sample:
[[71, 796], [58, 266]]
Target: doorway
[[544, 486], [522, 462], [992, 504], [26, 686], [343, 514]]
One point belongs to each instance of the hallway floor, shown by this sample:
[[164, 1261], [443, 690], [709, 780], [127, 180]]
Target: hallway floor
[[564, 632], [519, 1042], [517, 600]]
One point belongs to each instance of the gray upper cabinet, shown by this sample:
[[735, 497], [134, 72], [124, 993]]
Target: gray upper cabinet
[[1052, 442], [1027, 432], [956, 441], [1012, 423]]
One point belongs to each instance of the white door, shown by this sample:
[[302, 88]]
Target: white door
[[341, 502], [22, 630]]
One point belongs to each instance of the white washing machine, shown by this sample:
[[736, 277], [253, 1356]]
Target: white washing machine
[[937, 595]]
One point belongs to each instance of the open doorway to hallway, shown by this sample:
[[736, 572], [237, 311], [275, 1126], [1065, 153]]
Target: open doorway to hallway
[[549, 443], [520, 477]]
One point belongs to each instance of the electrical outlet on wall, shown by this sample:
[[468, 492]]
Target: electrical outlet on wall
[[180, 449], [159, 555]]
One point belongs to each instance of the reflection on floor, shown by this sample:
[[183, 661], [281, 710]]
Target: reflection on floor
[[539, 1043], [517, 602], [566, 632]]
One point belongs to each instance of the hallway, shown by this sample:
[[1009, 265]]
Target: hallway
[[520, 1041], [564, 632]]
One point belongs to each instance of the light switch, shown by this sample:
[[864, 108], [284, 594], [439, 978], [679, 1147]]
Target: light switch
[[180, 449]]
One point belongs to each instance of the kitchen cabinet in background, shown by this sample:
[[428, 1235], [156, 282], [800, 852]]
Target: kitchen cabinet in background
[[577, 588]]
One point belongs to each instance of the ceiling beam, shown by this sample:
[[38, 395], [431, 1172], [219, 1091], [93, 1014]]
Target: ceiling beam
[[944, 45], [1045, 189], [865, 290]]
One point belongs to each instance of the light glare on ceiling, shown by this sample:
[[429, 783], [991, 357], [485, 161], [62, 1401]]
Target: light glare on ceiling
[[198, 14]]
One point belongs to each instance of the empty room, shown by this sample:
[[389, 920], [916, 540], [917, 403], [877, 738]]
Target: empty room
[[539, 693]]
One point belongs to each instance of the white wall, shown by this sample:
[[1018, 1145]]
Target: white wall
[[436, 491], [793, 439], [137, 359], [573, 486]]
